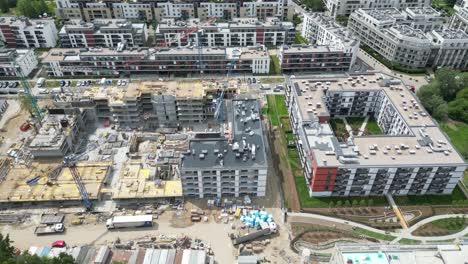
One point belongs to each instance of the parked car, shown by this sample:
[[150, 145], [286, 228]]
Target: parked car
[[59, 244], [25, 126]]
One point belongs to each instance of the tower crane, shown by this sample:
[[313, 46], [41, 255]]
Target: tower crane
[[28, 93]]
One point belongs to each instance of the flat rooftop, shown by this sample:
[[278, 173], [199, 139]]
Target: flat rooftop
[[452, 34], [384, 150], [25, 22], [135, 182], [383, 14], [244, 148], [407, 31], [102, 25], [169, 24], [304, 49], [15, 189]]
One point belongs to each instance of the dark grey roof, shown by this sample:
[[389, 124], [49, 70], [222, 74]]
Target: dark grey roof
[[247, 139]]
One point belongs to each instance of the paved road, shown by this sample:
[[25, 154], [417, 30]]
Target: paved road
[[312, 218]]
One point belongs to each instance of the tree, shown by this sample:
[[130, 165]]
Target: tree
[[370, 202], [362, 202], [450, 82], [331, 204], [441, 112], [339, 203], [8, 256], [458, 108], [296, 20], [355, 203], [32, 8], [4, 6], [6, 249], [347, 203]]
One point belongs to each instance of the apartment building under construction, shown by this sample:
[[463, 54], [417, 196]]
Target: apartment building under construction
[[151, 105]]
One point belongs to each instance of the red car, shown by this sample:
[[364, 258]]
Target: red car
[[25, 126], [59, 244]]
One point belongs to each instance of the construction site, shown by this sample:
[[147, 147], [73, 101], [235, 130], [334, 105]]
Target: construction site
[[110, 150]]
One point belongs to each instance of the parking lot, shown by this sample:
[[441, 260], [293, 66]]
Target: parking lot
[[10, 87], [54, 87]]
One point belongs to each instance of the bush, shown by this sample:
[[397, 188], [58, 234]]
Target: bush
[[339, 203], [355, 203], [362, 203]]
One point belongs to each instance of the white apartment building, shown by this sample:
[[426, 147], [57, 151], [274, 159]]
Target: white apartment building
[[13, 60], [236, 165], [157, 10], [237, 32], [103, 33], [174, 10], [21, 32], [140, 11], [459, 20], [264, 9], [412, 38], [452, 48], [412, 156], [322, 30], [219, 10], [111, 62], [345, 7]]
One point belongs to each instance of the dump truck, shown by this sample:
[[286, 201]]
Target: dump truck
[[49, 229], [265, 230], [129, 221]]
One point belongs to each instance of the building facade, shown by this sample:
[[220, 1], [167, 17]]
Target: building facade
[[149, 105], [238, 32], [234, 165], [345, 8], [13, 61], [110, 62], [310, 58], [21, 32], [102, 33], [412, 156], [144, 10], [459, 20], [412, 38]]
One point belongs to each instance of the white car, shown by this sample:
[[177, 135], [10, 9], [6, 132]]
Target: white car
[[119, 82], [43, 91]]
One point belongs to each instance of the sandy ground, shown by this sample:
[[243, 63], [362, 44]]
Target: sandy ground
[[215, 234]]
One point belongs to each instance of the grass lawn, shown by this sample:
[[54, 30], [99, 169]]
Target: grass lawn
[[453, 224], [299, 39], [372, 127], [275, 67], [458, 134], [272, 110], [407, 241], [272, 80], [457, 195], [368, 233], [324, 202], [285, 124], [338, 126], [281, 108], [355, 122], [295, 162], [442, 227], [442, 4], [289, 137]]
